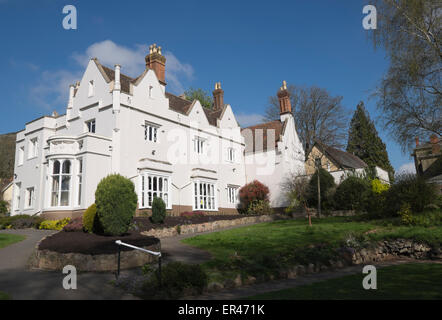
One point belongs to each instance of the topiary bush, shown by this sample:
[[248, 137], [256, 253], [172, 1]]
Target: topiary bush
[[116, 203], [178, 279], [158, 210], [90, 219], [412, 190], [327, 184], [352, 194], [253, 191]]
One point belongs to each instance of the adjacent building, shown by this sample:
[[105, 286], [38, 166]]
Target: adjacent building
[[428, 160]]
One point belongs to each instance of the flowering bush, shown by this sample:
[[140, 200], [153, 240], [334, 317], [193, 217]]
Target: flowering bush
[[253, 191], [74, 225], [54, 224], [189, 214], [378, 187]]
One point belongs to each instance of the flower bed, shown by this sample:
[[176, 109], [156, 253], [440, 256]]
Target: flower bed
[[91, 252]]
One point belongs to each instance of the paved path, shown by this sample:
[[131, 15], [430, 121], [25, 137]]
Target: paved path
[[23, 284], [251, 290]]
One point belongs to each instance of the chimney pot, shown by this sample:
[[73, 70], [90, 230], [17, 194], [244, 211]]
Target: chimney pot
[[157, 62], [285, 105]]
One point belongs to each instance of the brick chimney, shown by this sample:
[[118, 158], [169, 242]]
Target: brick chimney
[[218, 97], [417, 141], [157, 62], [435, 146], [284, 100]]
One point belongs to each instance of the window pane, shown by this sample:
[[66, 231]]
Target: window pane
[[56, 169], [160, 184], [154, 188], [66, 166], [65, 180], [64, 200]]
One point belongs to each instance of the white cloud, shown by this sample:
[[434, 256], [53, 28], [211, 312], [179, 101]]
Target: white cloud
[[407, 168], [51, 90], [247, 120]]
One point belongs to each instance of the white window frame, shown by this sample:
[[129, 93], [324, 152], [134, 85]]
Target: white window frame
[[33, 148], [21, 155], [151, 132], [60, 180], [80, 169], [147, 190], [91, 89], [231, 154], [30, 198], [199, 145], [232, 194], [91, 124], [204, 195], [17, 190]]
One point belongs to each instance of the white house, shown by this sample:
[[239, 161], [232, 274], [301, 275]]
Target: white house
[[192, 157]]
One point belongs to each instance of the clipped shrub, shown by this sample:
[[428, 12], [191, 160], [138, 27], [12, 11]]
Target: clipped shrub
[[409, 189], [158, 210], [20, 221], [116, 203], [74, 225], [252, 191], [327, 183], [259, 207], [54, 224], [352, 194], [178, 279], [90, 218]]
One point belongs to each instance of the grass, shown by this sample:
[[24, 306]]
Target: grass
[[401, 282], [8, 239], [260, 250], [4, 296]]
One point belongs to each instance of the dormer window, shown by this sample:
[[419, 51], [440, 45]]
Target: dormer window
[[91, 90], [90, 126]]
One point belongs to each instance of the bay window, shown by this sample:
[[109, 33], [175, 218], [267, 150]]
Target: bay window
[[61, 183], [204, 195], [154, 185]]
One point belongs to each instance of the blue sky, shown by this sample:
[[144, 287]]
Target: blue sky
[[249, 46]]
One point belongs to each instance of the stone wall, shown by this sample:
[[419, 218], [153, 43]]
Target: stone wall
[[51, 260], [208, 226]]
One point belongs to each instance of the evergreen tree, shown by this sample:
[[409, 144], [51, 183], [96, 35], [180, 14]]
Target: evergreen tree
[[364, 141]]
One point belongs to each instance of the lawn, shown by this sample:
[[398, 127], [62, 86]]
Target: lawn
[[408, 281], [4, 296], [259, 250], [7, 239]]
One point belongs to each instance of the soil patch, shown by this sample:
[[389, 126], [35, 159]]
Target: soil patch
[[144, 223], [87, 243]]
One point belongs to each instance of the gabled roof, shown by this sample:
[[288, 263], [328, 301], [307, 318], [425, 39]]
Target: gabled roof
[[276, 125], [176, 103], [341, 158]]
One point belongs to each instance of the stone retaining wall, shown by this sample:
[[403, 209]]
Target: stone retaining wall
[[51, 260], [207, 226]]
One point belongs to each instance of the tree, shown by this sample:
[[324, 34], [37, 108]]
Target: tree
[[321, 192], [199, 94], [296, 188], [364, 141], [317, 114], [410, 93]]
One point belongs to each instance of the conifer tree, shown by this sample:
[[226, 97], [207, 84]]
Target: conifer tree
[[364, 141]]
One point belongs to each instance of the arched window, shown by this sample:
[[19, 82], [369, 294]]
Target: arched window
[[61, 183]]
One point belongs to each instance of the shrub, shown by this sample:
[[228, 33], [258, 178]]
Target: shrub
[[74, 225], [116, 203], [378, 187], [158, 210], [90, 219], [409, 189], [21, 221], [352, 194], [54, 224], [259, 207], [189, 214], [177, 279], [327, 183], [253, 191], [3, 208]]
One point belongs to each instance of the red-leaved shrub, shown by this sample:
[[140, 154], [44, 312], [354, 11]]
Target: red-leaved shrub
[[189, 214], [74, 225], [254, 191]]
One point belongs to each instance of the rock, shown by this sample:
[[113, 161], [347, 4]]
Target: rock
[[214, 286], [291, 274], [238, 281], [250, 280], [310, 268], [300, 269]]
